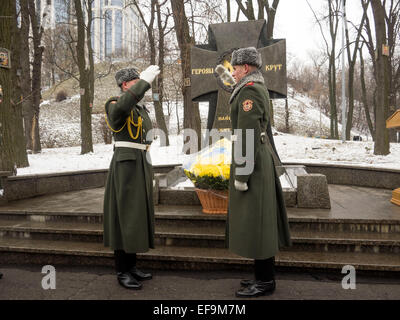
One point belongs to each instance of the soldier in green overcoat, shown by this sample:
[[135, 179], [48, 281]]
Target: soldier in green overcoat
[[257, 219], [128, 197]]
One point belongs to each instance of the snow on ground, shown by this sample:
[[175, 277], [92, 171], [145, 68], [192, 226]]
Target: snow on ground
[[291, 148], [305, 118]]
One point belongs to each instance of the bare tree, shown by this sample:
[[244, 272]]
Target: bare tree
[[185, 41], [86, 79], [381, 66], [364, 95], [392, 18], [270, 9], [17, 100], [333, 22], [352, 57], [31, 82], [10, 108], [381, 146], [228, 10], [156, 87]]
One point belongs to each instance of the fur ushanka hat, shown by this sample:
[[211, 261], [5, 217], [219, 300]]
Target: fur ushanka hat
[[248, 55], [126, 75]]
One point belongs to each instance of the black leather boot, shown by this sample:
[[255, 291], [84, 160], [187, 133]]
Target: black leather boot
[[247, 282], [259, 288], [139, 275], [126, 280], [1, 275]]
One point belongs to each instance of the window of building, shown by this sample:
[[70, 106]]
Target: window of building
[[116, 3], [108, 35], [118, 31], [101, 31], [92, 34]]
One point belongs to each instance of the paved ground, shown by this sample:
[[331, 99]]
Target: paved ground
[[82, 283]]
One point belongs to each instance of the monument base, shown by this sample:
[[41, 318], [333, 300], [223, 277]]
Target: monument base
[[396, 196]]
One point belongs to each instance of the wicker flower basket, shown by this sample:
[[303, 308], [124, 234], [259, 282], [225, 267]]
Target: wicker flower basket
[[213, 201]]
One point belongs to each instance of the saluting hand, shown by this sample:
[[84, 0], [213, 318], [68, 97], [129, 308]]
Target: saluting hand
[[150, 73]]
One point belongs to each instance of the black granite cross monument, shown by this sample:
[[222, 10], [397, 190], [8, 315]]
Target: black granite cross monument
[[223, 38]]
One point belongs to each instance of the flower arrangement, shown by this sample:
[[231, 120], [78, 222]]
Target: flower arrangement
[[210, 176], [210, 168], [209, 171]]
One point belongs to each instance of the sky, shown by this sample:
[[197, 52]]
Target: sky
[[295, 22]]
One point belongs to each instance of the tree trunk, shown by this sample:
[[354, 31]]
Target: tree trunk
[[36, 77], [228, 10], [352, 61], [90, 54], [156, 86], [381, 146], [287, 126], [332, 73], [271, 113], [160, 83], [26, 81], [248, 11], [332, 97], [191, 118], [86, 115], [393, 26], [7, 151], [364, 97], [16, 74], [271, 13]]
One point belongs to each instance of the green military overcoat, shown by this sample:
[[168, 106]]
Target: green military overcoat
[[128, 197], [257, 221]]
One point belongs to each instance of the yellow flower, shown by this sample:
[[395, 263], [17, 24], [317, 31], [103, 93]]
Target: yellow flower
[[226, 171], [201, 170]]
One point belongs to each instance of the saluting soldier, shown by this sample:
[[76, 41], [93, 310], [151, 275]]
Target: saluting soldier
[[257, 219], [128, 198]]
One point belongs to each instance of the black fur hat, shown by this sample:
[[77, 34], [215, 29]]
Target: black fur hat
[[248, 55]]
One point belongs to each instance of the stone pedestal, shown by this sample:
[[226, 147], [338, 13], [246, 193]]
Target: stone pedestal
[[312, 191]]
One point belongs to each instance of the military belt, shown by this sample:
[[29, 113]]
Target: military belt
[[133, 145]]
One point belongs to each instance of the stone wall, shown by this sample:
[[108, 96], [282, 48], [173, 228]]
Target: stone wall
[[357, 176], [36, 185]]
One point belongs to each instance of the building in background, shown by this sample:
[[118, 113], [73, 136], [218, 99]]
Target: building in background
[[118, 32], [116, 29]]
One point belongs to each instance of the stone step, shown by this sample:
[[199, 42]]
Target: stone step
[[194, 236], [21, 251], [192, 216]]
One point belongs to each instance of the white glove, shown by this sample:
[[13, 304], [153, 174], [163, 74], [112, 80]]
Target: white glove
[[150, 74], [224, 74], [241, 186]]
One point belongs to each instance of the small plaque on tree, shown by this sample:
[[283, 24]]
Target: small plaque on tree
[[385, 50], [5, 61]]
